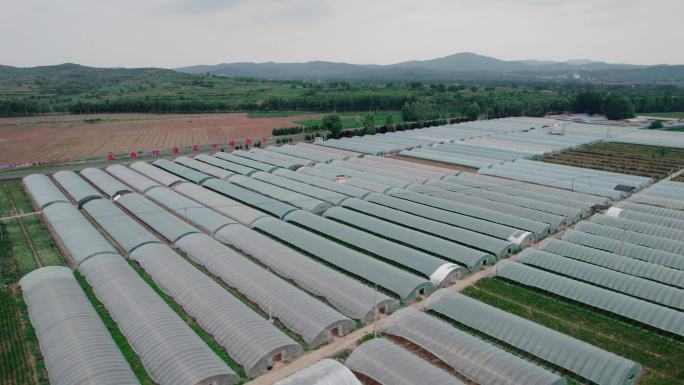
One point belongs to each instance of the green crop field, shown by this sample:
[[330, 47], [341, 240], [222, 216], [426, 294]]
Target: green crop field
[[660, 357], [355, 119], [17, 256], [278, 114], [45, 246], [15, 353], [673, 115], [18, 248], [18, 195]]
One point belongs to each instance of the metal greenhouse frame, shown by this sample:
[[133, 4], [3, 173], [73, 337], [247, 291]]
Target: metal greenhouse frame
[[575, 356], [475, 359], [640, 311], [389, 364], [74, 342]]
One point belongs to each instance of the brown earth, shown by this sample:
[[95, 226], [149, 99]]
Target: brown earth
[[74, 137]]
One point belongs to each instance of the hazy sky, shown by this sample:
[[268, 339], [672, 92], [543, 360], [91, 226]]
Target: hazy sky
[[172, 33]]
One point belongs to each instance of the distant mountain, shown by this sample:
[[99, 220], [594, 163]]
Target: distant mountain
[[464, 66], [460, 67], [465, 61]]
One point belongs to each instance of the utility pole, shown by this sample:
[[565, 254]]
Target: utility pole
[[270, 297], [375, 310]]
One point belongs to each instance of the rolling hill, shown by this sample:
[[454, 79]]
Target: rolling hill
[[465, 66]]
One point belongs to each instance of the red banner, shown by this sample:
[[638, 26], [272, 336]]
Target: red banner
[[133, 155], [214, 146], [248, 141], [111, 157], [231, 143], [195, 147], [155, 151], [175, 150]]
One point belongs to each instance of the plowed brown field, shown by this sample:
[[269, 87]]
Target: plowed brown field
[[73, 137]]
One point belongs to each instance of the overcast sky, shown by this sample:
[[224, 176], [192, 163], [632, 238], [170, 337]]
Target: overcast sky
[[173, 33]]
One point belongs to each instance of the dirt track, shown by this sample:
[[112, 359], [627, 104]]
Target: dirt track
[[71, 137]]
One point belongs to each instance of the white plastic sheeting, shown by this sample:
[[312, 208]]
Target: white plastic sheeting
[[329, 196], [43, 191], [580, 358], [389, 364], [133, 179], [400, 282], [220, 203], [473, 358], [296, 199], [439, 271], [299, 312], [170, 351], [602, 277], [231, 167], [112, 187], [621, 247], [647, 313], [536, 227], [323, 183], [471, 258], [475, 232], [206, 168], [245, 162], [614, 261], [248, 338], [75, 344], [159, 175], [356, 301], [323, 372]]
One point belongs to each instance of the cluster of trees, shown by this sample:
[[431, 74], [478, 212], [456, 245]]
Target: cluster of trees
[[415, 100], [615, 107], [333, 123], [287, 131]]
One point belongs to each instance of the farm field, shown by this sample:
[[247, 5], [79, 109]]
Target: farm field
[[16, 352], [673, 115], [660, 357], [26, 240], [20, 359], [355, 119], [648, 161], [72, 137]]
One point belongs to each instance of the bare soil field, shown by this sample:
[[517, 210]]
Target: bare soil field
[[74, 137]]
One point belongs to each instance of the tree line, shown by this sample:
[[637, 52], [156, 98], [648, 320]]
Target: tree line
[[417, 102]]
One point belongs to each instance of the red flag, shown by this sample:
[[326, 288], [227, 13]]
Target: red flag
[[155, 151], [248, 141], [111, 157], [195, 147], [175, 150], [231, 143], [133, 155], [214, 146]]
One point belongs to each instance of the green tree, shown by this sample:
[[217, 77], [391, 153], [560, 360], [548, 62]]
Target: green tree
[[389, 120], [472, 111], [333, 123], [589, 102], [657, 124], [369, 124], [417, 111], [618, 107]]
